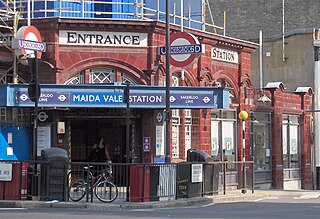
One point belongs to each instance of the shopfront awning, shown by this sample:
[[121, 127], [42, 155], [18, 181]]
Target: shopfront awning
[[112, 96]]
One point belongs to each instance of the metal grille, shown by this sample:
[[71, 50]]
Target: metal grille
[[127, 80], [102, 75], [77, 79]]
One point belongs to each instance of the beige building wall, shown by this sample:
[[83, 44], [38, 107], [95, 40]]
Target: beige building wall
[[296, 69]]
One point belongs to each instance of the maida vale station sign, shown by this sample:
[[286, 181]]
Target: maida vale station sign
[[93, 38]]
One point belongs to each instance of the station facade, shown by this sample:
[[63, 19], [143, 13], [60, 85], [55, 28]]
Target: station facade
[[89, 59]]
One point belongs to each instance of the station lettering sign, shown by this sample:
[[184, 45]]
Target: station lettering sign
[[97, 98], [136, 100]]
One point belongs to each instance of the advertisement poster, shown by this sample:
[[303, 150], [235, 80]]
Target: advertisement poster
[[159, 140], [228, 146], [214, 138], [214, 146], [293, 146], [44, 138], [196, 173]]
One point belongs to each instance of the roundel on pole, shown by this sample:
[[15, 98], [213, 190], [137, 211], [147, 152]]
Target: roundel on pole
[[185, 49], [31, 35]]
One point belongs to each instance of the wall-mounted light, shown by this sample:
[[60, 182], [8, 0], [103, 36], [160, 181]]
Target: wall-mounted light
[[264, 98]]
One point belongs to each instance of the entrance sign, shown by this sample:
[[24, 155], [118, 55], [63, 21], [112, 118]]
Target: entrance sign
[[94, 38], [185, 49], [28, 40]]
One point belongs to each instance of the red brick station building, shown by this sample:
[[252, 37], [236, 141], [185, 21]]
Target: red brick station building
[[85, 57]]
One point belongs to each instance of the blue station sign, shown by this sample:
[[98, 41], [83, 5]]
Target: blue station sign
[[108, 96]]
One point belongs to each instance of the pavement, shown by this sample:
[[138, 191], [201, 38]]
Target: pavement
[[230, 196]]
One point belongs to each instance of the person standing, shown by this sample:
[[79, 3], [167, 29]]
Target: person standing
[[99, 152]]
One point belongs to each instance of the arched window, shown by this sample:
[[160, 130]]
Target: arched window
[[102, 75], [77, 79]]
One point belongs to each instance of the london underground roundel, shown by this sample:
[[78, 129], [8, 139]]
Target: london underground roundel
[[185, 49], [28, 33]]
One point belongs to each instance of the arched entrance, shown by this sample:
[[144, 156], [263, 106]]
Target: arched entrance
[[86, 125]]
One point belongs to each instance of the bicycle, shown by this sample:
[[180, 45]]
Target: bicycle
[[102, 186]]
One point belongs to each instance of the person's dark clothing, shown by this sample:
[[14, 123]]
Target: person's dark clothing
[[98, 155]]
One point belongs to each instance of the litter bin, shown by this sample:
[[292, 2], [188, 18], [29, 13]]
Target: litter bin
[[53, 174], [210, 171]]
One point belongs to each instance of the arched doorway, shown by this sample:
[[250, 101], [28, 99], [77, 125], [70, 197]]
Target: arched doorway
[[86, 125]]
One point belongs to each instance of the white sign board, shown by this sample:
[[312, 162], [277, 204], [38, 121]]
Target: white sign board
[[225, 55], [96, 38], [5, 172], [196, 173], [44, 138]]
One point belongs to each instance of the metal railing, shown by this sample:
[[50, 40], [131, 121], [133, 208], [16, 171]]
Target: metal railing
[[43, 180]]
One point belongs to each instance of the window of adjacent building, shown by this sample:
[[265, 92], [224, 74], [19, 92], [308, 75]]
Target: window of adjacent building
[[175, 125], [290, 144], [223, 137], [260, 140], [188, 123], [3, 114]]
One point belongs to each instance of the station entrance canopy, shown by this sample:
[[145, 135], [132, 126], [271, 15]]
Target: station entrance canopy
[[112, 96]]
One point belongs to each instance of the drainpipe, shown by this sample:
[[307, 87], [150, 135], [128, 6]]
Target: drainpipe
[[316, 115]]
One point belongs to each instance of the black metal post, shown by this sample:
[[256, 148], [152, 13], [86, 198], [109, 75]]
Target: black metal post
[[244, 174], [127, 94], [168, 79], [35, 117]]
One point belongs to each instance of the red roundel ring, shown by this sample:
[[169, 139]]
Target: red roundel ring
[[188, 39], [31, 30]]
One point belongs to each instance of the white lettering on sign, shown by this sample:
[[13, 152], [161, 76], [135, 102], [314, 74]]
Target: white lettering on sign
[[103, 38], [32, 45], [145, 99], [91, 98], [225, 55]]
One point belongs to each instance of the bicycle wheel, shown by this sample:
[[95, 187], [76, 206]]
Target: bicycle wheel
[[106, 191], [77, 189]]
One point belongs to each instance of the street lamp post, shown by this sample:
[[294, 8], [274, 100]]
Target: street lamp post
[[167, 114], [243, 115]]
